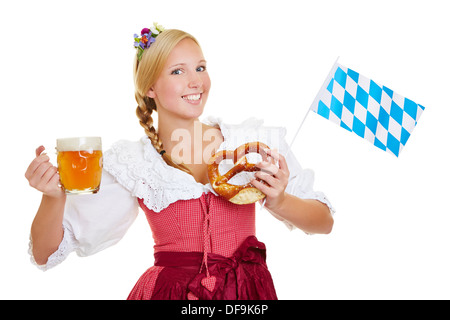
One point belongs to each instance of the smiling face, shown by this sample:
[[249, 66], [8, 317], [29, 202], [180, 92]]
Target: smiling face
[[183, 85]]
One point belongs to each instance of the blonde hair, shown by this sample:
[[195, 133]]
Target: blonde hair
[[146, 72]]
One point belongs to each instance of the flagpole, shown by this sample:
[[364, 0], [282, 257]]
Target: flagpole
[[298, 130]]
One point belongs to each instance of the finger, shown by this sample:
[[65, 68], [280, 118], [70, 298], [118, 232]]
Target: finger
[[283, 165], [36, 177], [54, 181], [261, 186], [273, 157], [49, 174], [34, 165], [55, 178], [39, 150], [49, 183], [267, 177], [268, 167], [273, 153]]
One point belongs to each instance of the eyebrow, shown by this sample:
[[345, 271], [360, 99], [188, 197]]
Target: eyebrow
[[183, 64]]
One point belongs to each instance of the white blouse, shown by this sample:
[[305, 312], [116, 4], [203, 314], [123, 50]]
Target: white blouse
[[134, 170]]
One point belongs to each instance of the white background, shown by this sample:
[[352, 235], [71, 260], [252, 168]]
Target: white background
[[66, 69]]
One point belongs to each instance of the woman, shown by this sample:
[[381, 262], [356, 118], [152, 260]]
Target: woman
[[205, 246]]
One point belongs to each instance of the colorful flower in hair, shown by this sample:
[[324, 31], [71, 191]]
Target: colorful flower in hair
[[147, 37]]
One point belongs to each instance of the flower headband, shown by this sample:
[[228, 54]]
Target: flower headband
[[147, 37]]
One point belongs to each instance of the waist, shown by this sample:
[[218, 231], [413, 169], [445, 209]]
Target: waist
[[178, 259], [251, 251]]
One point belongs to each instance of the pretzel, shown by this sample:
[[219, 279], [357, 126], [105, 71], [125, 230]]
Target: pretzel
[[238, 194]]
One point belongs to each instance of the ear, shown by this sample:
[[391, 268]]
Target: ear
[[151, 93]]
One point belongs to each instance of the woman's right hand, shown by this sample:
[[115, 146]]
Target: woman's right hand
[[43, 176]]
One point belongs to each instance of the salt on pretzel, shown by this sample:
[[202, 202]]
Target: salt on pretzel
[[238, 194]]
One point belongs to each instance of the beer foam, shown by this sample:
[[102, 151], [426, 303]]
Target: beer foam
[[79, 144]]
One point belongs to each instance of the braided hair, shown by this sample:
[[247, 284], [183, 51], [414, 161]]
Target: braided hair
[[146, 72]]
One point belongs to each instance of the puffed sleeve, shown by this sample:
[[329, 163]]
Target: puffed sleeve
[[94, 222]]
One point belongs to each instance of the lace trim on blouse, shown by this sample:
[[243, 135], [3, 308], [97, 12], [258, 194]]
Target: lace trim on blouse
[[142, 171], [67, 245]]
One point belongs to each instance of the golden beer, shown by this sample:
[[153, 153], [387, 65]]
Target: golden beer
[[80, 162]]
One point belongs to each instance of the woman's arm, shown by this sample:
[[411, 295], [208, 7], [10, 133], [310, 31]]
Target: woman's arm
[[46, 229], [311, 216]]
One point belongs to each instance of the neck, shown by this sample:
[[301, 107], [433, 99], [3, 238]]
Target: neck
[[190, 142], [182, 138], [170, 131]]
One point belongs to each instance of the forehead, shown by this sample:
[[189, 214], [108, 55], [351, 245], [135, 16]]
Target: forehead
[[186, 51]]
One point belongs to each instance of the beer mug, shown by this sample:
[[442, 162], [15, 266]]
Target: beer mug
[[80, 162]]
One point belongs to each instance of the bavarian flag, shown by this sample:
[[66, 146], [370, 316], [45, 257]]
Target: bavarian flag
[[370, 110]]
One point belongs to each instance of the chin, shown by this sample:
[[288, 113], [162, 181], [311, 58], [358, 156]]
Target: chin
[[195, 111]]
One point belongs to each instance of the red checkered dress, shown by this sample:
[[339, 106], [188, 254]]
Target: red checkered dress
[[205, 240]]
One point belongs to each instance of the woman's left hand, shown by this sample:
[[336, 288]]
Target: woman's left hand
[[276, 177]]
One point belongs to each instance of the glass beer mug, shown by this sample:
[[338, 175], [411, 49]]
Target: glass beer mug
[[80, 162]]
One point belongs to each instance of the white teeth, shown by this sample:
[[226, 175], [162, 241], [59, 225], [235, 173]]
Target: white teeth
[[192, 97]]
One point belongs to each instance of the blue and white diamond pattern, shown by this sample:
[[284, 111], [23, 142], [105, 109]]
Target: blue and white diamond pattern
[[373, 112]]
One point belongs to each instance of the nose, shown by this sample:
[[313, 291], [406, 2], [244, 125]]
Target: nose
[[195, 81]]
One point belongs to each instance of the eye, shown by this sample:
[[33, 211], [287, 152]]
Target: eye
[[201, 69], [177, 71]]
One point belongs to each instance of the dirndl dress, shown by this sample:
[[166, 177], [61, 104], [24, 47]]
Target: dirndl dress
[[205, 249]]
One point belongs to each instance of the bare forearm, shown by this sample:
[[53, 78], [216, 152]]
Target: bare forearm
[[46, 230], [309, 215]]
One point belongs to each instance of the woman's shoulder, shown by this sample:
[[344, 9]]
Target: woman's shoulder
[[249, 130], [127, 151], [131, 160], [247, 123]]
